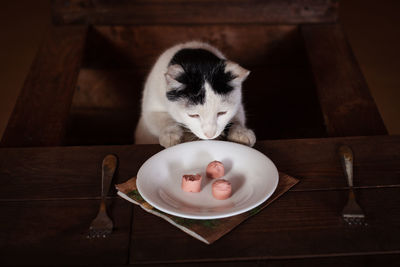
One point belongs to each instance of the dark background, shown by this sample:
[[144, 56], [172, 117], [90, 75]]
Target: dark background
[[373, 31]]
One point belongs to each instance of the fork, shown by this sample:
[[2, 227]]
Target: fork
[[352, 213], [102, 225]]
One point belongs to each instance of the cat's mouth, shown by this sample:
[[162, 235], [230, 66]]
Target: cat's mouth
[[190, 136], [204, 137], [208, 136], [214, 136]]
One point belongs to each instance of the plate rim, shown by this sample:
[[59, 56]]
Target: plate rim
[[205, 217]]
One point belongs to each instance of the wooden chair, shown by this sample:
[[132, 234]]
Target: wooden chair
[[85, 84]]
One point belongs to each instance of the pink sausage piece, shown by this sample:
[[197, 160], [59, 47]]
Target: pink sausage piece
[[215, 169], [221, 189], [191, 183]]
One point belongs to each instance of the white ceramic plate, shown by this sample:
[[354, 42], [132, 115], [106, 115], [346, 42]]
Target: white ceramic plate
[[253, 176]]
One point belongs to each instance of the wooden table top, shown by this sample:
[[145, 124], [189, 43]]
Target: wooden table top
[[48, 197]]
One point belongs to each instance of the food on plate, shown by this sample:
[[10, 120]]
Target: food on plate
[[221, 189], [191, 183], [215, 169]]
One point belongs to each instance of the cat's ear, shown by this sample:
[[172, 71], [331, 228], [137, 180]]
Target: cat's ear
[[171, 76], [239, 72]]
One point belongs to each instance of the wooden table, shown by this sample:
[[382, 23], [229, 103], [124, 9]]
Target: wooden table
[[48, 197]]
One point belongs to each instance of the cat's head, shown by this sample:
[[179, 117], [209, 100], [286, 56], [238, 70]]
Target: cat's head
[[204, 91]]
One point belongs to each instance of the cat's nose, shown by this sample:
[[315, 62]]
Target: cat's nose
[[210, 134], [209, 129]]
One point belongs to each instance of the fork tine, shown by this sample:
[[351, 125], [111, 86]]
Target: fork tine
[[355, 221], [102, 225], [352, 213], [98, 233]]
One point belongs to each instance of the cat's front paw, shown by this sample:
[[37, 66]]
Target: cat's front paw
[[241, 135], [171, 136]]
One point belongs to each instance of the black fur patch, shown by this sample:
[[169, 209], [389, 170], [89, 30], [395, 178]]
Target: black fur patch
[[200, 65]]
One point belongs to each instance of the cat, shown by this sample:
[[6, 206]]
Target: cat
[[193, 87]]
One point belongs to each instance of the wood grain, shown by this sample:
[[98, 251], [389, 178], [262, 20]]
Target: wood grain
[[54, 233], [65, 172], [310, 226], [361, 260], [193, 11], [106, 103], [40, 115], [139, 46], [105, 107], [317, 164], [75, 172], [346, 103], [51, 194]]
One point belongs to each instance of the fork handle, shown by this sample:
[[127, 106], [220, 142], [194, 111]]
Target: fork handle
[[108, 169], [346, 155]]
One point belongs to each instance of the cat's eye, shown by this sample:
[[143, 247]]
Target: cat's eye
[[221, 113], [194, 115]]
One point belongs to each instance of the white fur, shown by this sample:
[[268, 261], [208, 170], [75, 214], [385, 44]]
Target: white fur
[[160, 118]]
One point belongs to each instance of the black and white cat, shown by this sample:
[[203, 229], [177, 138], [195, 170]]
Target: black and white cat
[[193, 87]]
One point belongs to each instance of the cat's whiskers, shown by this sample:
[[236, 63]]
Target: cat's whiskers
[[185, 128], [182, 125]]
